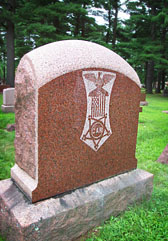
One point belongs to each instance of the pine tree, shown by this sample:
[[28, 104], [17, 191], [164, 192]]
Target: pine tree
[[146, 36], [7, 10], [112, 8]]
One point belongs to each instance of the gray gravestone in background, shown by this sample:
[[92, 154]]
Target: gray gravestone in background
[[8, 100]]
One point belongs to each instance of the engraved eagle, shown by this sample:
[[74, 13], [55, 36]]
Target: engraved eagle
[[99, 81]]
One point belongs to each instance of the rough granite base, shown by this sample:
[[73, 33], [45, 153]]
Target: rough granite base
[[68, 216], [7, 109]]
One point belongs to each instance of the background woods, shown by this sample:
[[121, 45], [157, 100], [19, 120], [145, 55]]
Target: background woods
[[140, 39]]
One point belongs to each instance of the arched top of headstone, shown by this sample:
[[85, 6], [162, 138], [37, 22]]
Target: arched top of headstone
[[55, 59], [76, 108]]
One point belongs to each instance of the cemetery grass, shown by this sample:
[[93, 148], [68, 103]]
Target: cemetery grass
[[6, 143], [146, 221]]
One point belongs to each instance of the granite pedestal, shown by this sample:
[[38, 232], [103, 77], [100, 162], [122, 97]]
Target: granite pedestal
[[77, 109], [68, 216]]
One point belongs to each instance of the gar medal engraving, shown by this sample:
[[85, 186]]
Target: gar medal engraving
[[97, 128]]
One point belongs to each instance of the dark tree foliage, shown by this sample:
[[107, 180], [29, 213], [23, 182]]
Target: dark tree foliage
[[141, 40], [149, 32], [7, 12]]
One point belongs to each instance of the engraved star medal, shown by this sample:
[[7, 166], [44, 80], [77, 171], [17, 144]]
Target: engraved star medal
[[97, 128]]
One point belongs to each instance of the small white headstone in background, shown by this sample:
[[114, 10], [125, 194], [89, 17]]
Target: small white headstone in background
[[8, 100]]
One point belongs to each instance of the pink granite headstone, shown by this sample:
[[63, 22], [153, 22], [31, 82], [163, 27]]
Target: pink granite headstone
[[77, 109]]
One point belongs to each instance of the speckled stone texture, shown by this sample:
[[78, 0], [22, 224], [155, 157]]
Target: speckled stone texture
[[25, 116], [69, 216], [51, 107], [164, 156], [65, 162]]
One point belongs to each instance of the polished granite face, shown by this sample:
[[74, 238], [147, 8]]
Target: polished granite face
[[76, 111], [80, 141]]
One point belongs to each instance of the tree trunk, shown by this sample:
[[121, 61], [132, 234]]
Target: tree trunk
[[115, 27], [77, 26], [159, 80], [146, 70], [4, 69], [10, 54], [10, 48], [83, 28], [150, 76], [150, 69], [109, 27], [4, 75], [163, 79], [164, 44], [83, 22]]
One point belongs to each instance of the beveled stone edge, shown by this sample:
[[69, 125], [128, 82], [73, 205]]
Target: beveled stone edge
[[26, 183], [11, 88], [28, 63], [99, 189], [82, 59]]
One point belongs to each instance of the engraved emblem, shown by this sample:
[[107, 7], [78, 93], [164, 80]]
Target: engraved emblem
[[97, 128]]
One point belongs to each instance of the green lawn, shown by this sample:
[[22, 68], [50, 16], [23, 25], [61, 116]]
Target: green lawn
[[147, 221], [6, 143]]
